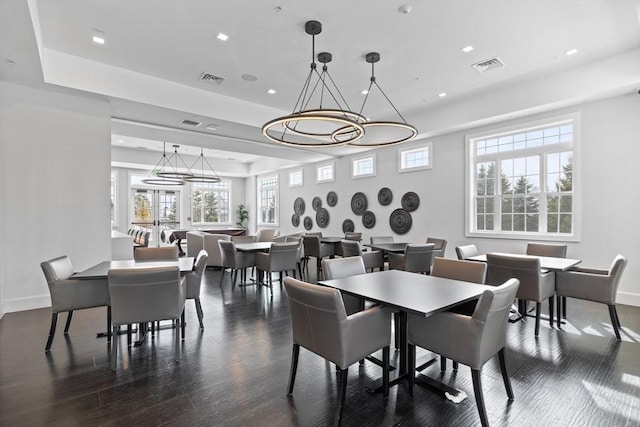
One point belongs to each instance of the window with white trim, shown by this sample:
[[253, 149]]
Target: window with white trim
[[363, 166], [418, 158], [522, 182], [268, 190], [296, 178], [326, 172], [210, 203], [114, 198]]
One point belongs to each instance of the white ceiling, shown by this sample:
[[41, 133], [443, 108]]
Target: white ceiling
[[156, 50]]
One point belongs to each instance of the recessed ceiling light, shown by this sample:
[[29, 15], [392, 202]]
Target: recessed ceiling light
[[98, 39], [571, 52], [364, 92], [271, 91], [223, 37], [467, 49], [442, 95], [212, 127]]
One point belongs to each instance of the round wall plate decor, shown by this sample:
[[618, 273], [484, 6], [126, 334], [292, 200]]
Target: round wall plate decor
[[347, 226], [400, 221], [410, 201], [359, 203], [322, 217], [369, 219], [316, 203], [299, 206], [295, 220], [332, 198], [385, 196], [308, 223]]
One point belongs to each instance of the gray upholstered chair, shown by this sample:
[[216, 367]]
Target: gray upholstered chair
[[593, 285], [467, 271], [266, 234], [321, 325], [547, 250], [440, 246], [282, 257], [535, 285], [345, 267], [194, 282], [213, 249], [417, 258], [474, 339], [348, 235], [235, 260], [195, 242], [243, 239], [146, 295], [466, 251], [164, 253], [380, 239], [314, 248], [300, 263], [69, 294], [372, 259]]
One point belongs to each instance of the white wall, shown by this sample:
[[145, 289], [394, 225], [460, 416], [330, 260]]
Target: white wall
[[55, 188], [610, 152]]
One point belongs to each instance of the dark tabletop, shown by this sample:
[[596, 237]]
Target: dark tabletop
[[389, 247], [101, 270], [546, 263], [253, 247]]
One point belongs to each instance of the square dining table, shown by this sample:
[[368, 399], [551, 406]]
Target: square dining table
[[395, 248]]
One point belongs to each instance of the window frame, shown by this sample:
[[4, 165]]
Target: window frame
[[332, 165], [114, 198], [295, 172], [356, 160], [401, 154], [472, 159], [260, 183], [210, 186]]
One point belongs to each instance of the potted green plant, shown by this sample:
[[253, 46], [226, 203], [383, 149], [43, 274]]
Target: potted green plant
[[243, 215]]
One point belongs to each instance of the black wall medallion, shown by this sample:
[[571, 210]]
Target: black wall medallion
[[410, 201], [385, 196], [369, 219], [308, 223], [299, 206], [348, 226], [316, 203], [359, 203], [400, 221], [322, 217], [295, 220], [332, 198]]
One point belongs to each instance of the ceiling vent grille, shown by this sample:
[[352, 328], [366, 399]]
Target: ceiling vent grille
[[211, 78], [488, 64], [190, 122]]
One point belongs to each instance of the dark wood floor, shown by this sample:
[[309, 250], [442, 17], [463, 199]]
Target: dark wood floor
[[234, 373]]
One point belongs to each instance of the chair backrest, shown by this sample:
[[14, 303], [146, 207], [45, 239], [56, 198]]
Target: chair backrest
[[266, 234], [468, 271], [343, 267], [616, 269], [547, 249], [314, 233], [352, 235], [501, 268], [311, 244], [418, 257], [164, 253], [440, 246], [210, 244], [243, 239], [350, 248], [466, 251], [194, 279], [145, 239], [316, 314], [55, 269], [228, 253], [298, 240], [283, 256], [145, 295], [381, 239]]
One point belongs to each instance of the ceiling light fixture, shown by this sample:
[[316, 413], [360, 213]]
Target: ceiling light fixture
[[166, 173], [271, 91], [317, 127], [209, 177], [442, 95], [223, 37], [571, 52], [467, 49], [388, 132]]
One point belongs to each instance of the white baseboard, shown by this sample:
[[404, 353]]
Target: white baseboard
[[22, 304], [628, 298]]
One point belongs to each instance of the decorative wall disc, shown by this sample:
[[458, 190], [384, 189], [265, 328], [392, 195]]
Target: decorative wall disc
[[347, 226], [316, 203], [308, 223], [385, 196], [295, 220], [299, 206], [322, 217], [359, 203], [332, 198], [410, 201], [400, 221], [369, 219]]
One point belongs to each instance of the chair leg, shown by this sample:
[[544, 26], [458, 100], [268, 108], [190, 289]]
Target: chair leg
[[538, 306], [559, 310], [52, 331], [613, 313], [234, 278], [109, 334], [443, 363], [385, 373], [114, 353], [477, 391], [411, 353], [66, 326], [199, 311], [396, 330], [505, 374], [294, 367], [342, 391], [179, 335], [564, 307], [551, 311], [455, 365]]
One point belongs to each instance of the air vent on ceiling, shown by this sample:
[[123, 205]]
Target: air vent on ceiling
[[488, 64], [211, 78], [190, 122]]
